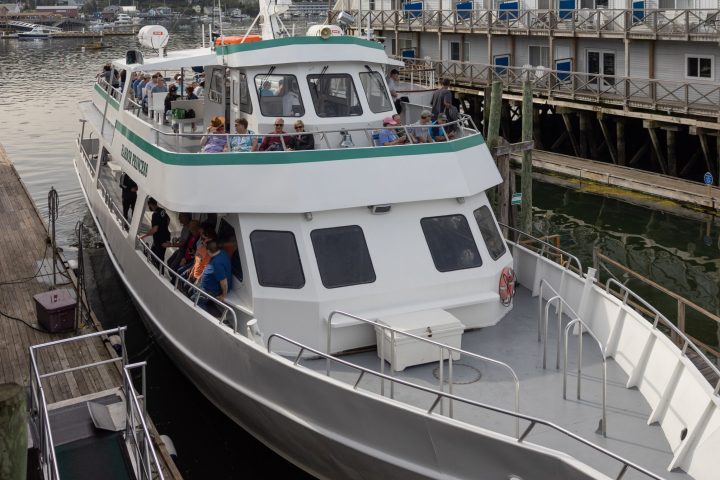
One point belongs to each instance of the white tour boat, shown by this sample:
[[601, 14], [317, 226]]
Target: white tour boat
[[372, 329]]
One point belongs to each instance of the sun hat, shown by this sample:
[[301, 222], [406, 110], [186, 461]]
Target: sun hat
[[217, 122], [425, 113], [389, 121]]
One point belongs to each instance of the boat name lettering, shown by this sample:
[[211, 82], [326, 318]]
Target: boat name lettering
[[136, 162]]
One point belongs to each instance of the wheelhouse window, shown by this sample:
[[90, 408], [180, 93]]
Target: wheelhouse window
[[217, 86], [377, 97], [241, 94], [334, 95], [279, 95], [342, 256], [451, 243], [699, 66], [277, 260], [488, 229]]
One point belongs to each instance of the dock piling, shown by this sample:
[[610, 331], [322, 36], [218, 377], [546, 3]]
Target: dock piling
[[526, 175], [620, 134]]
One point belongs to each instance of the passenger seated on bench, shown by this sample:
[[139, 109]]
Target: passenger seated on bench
[[215, 141], [305, 141], [245, 141], [274, 142], [440, 133], [216, 278], [421, 130], [387, 136]]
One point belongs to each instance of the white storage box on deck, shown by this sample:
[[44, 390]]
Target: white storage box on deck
[[436, 325]]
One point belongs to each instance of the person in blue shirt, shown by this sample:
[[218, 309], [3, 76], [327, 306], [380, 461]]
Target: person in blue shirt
[[266, 91], [216, 278], [388, 136]]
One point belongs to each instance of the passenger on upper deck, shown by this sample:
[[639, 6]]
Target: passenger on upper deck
[[275, 142], [245, 141], [304, 141], [388, 136], [421, 131], [160, 86], [170, 97], [215, 141]]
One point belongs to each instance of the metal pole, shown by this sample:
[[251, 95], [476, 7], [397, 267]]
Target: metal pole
[[493, 134], [526, 173], [579, 367], [52, 216]]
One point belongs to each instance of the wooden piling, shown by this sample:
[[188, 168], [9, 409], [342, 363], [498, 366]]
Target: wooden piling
[[13, 432], [583, 136], [526, 175], [671, 138], [487, 98], [493, 133], [620, 134]]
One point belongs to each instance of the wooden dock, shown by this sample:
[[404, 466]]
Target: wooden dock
[[594, 173], [25, 270]]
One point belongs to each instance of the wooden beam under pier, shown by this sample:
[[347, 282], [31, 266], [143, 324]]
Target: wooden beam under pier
[[608, 139]]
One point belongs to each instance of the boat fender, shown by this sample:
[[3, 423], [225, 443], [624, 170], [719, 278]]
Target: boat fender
[[254, 333], [116, 343], [169, 445], [507, 286]]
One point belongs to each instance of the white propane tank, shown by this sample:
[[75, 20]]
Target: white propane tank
[[324, 31], [153, 36]]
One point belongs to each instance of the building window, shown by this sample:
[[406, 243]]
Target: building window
[[451, 243], [699, 67], [539, 55], [375, 91], [601, 63], [279, 95], [342, 256], [460, 54], [490, 233], [334, 95], [674, 4], [277, 260]]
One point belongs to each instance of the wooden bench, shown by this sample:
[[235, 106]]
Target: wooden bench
[[197, 105]]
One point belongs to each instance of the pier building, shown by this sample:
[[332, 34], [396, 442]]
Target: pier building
[[635, 82]]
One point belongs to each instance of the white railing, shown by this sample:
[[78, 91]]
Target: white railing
[[137, 433], [38, 401], [115, 211], [701, 24], [176, 280], [626, 293], [438, 396], [442, 348]]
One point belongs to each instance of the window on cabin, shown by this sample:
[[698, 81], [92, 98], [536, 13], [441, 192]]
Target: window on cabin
[[451, 243], [488, 229], [699, 67], [375, 91], [217, 86], [279, 95], [342, 256], [228, 242], [241, 94], [277, 261], [334, 95]]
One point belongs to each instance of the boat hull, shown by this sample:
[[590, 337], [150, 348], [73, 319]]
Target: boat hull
[[324, 426]]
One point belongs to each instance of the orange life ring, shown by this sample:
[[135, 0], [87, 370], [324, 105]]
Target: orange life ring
[[507, 286], [233, 40]]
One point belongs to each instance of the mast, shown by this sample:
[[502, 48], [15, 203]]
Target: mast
[[270, 11]]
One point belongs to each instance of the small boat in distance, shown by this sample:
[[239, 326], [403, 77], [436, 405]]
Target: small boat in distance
[[37, 32]]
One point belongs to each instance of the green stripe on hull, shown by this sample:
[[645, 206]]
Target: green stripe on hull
[[105, 95], [282, 42], [283, 158]]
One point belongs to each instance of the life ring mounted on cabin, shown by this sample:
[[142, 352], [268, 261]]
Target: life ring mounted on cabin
[[506, 289]]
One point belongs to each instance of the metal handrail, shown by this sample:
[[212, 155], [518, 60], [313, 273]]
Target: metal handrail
[[164, 267], [112, 91], [687, 343], [545, 244], [579, 367], [544, 318], [85, 155], [114, 209], [439, 395], [441, 346], [169, 140], [131, 429], [38, 401]]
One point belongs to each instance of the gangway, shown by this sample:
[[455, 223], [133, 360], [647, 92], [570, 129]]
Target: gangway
[[30, 26]]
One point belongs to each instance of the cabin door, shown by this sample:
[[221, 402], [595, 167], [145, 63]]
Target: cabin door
[[215, 93]]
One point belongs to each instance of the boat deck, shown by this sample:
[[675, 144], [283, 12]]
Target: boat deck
[[514, 341]]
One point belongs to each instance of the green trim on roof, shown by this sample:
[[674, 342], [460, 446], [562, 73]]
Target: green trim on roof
[[104, 94], [300, 40], [282, 158]]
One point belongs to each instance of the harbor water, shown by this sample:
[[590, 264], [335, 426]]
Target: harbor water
[[40, 85]]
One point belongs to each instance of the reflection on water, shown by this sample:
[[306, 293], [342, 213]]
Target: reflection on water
[[41, 83]]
